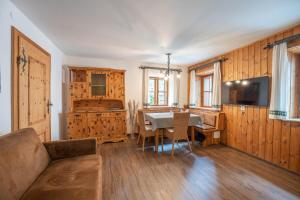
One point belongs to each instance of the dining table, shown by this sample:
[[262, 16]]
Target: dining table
[[164, 120]]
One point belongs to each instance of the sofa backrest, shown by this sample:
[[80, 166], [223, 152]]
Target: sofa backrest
[[22, 159]]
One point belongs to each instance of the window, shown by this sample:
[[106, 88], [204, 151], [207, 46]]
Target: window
[[206, 90], [294, 57], [157, 91]]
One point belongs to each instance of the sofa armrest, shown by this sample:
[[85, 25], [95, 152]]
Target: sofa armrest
[[71, 148]]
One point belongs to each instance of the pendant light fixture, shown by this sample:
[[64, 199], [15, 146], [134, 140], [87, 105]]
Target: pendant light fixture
[[167, 75], [168, 71]]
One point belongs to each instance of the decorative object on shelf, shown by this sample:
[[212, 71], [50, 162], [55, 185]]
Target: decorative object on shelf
[[175, 105], [132, 108]]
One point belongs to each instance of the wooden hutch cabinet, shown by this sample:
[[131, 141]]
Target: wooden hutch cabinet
[[96, 102]]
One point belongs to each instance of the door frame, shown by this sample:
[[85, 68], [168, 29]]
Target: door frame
[[15, 34]]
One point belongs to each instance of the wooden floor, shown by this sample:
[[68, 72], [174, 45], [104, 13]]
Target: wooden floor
[[215, 172]]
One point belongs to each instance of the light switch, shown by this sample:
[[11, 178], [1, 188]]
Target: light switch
[[243, 108], [217, 134]]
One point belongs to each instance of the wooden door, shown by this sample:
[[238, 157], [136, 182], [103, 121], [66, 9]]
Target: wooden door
[[31, 85]]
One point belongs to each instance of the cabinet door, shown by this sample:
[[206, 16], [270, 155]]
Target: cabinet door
[[116, 82], [118, 125], [77, 126], [79, 91], [99, 84], [98, 125]]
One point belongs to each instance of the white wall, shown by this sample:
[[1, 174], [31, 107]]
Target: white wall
[[133, 75], [11, 16]]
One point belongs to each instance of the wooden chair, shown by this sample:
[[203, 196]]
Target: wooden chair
[[144, 130], [179, 130]]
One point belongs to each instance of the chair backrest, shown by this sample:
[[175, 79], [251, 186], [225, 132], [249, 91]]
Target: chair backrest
[[141, 121], [181, 124]]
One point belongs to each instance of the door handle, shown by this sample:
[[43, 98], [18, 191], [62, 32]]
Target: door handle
[[49, 104]]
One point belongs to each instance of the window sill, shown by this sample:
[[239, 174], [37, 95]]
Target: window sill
[[204, 108], [158, 106]]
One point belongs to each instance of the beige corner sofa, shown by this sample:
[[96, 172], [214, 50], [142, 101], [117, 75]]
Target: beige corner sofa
[[31, 170]]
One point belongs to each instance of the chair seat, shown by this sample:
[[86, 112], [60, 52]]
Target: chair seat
[[204, 126]]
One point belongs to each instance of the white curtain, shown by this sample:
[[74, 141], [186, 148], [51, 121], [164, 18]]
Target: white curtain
[[194, 90], [216, 95], [174, 84], [145, 87], [176, 89], [281, 83]]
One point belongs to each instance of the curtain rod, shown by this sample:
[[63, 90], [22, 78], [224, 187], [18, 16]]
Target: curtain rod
[[288, 39], [210, 63], [160, 68]]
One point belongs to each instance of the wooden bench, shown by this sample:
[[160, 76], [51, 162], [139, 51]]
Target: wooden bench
[[211, 122]]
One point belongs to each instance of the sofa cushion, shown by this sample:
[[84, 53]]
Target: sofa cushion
[[22, 159], [72, 178]]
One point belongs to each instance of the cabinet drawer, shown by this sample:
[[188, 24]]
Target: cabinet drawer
[[107, 114]]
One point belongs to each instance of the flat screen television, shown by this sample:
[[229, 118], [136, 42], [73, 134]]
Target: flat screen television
[[254, 91]]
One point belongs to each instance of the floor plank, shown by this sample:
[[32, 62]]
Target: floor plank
[[215, 172]]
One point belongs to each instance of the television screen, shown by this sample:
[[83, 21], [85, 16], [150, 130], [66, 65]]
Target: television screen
[[253, 91]]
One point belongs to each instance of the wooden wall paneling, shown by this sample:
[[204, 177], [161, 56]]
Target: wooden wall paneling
[[255, 133], [294, 157], [269, 54], [243, 134], [288, 33], [239, 128], [262, 132], [276, 142], [231, 67], [269, 139], [235, 126], [230, 126], [285, 144], [263, 58], [279, 36], [245, 72], [224, 134], [235, 64], [251, 58], [249, 129], [225, 71], [257, 59], [296, 30], [240, 64]]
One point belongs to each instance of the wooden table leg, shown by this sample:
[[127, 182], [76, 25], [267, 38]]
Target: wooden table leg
[[193, 134], [156, 139]]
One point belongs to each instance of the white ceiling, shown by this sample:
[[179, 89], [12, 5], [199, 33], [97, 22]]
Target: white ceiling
[[143, 30]]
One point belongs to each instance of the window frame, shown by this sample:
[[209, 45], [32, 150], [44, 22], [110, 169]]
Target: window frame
[[202, 89], [156, 91]]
